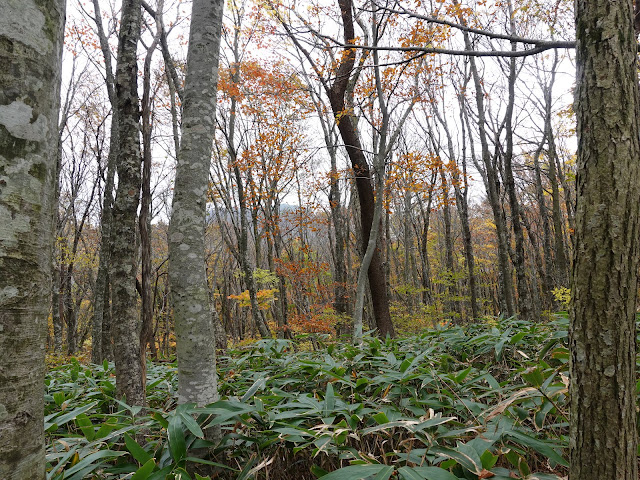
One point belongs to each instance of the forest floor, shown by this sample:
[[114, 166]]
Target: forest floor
[[482, 401]]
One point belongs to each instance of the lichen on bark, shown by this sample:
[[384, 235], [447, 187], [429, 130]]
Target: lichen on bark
[[31, 36]]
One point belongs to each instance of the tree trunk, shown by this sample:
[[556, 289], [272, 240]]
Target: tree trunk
[[362, 173], [524, 298], [124, 243], [340, 271], [451, 282], [195, 336], [101, 332], [492, 183], [547, 276], [31, 36], [560, 262], [603, 439], [144, 224]]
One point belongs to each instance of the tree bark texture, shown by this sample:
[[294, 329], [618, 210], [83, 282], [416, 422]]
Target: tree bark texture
[[101, 343], [362, 173], [126, 328], [195, 336], [603, 440], [31, 35]]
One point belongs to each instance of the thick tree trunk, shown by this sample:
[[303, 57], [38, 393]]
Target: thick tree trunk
[[603, 439], [124, 242], [31, 35], [195, 335]]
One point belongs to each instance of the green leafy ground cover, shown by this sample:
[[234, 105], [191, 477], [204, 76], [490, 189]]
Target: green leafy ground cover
[[484, 401]]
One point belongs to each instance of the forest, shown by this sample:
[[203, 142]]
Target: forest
[[338, 239]]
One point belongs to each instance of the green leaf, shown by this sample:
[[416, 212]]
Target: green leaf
[[329, 401], [533, 376], [161, 474], [181, 474], [160, 419], [517, 337], [58, 398], [106, 428], [356, 472], [385, 473], [89, 459], [144, 472], [84, 423], [466, 456], [257, 385], [136, 451], [318, 471], [425, 473], [62, 419], [380, 418], [177, 445], [191, 424], [488, 459], [209, 462], [462, 375], [539, 446]]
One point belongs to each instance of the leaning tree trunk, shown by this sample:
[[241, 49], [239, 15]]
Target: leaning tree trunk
[[31, 35], [195, 336], [603, 440], [124, 263]]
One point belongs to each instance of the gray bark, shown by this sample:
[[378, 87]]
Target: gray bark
[[31, 35], [603, 438], [101, 339], [144, 224], [195, 336], [126, 330]]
